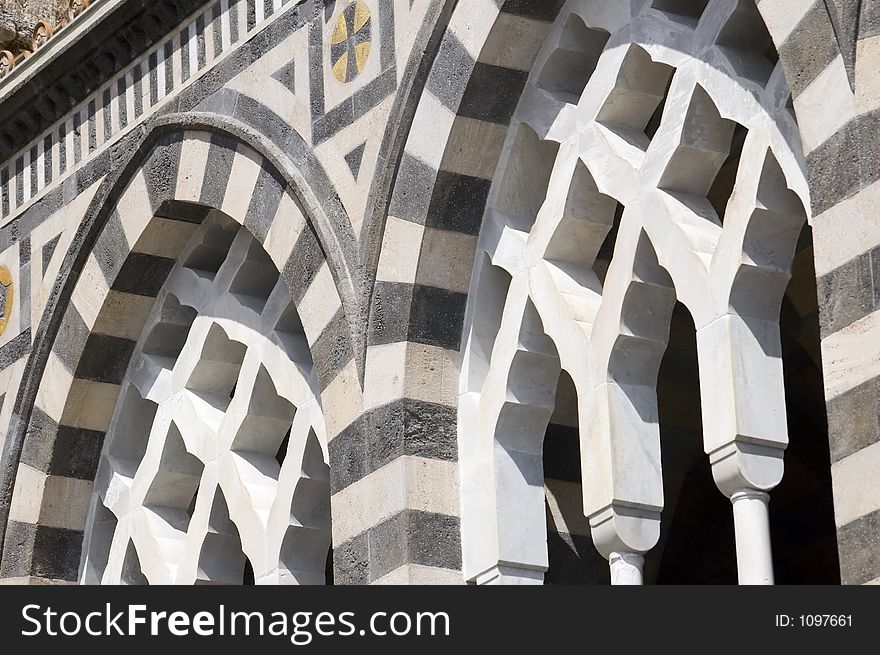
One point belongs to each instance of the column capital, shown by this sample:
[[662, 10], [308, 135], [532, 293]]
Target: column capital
[[619, 529], [743, 465], [750, 494]]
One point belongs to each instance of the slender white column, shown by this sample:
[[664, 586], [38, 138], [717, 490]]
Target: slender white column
[[626, 568], [754, 557]]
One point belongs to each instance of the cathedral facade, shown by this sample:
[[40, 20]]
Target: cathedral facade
[[440, 292]]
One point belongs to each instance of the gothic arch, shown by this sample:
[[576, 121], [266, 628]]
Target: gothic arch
[[133, 234], [421, 263], [456, 137], [437, 201]]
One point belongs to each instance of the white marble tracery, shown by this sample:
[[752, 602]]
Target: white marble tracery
[[216, 452], [658, 131]]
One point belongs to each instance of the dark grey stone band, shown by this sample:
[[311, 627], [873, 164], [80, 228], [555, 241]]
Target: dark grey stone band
[[849, 292], [845, 163], [409, 537], [857, 544], [416, 313], [62, 450], [808, 50], [41, 551], [854, 419], [380, 436]]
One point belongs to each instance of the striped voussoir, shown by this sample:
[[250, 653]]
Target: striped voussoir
[[849, 309], [406, 437], [183, 178], [819, 44]]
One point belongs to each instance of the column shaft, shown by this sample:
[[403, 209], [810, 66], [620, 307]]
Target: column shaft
[[626, 568], [754, 557]]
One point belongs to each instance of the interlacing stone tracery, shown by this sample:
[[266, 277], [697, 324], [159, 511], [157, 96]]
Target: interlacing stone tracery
[[214, 468], [653, 157]]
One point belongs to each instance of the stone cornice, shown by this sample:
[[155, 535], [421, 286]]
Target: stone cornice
[[78, 60]]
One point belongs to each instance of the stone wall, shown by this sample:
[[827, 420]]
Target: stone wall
[[829, 51], [18, 17], [249, 107]]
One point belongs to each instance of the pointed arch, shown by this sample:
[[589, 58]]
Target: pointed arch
[[133, 232]]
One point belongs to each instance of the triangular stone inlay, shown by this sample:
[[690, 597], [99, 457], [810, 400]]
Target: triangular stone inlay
[[355, 158], [844, 15], [48, 251], [286, 75]]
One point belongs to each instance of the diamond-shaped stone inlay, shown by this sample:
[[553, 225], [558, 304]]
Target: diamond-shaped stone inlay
[[351, 41]]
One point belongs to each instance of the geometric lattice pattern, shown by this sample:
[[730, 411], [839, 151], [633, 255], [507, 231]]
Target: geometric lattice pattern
[[214, 469], [634, 176], [611, 158]]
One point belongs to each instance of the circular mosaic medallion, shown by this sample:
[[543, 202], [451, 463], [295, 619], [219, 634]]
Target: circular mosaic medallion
[[351, 41], [6, 289]]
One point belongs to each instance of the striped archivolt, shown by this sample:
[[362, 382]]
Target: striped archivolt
[[653, 157], [214, 468]]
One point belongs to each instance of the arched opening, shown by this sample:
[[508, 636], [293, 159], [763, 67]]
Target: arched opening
[[697, 543], [128, 328], [213, 468], [802, 510], [572, 558], [694, 397]]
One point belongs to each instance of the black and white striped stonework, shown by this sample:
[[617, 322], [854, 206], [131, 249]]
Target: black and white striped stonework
[[52, 209], [156, 212], [407, 434], [149, 81], [392, 439], [829, 52]]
